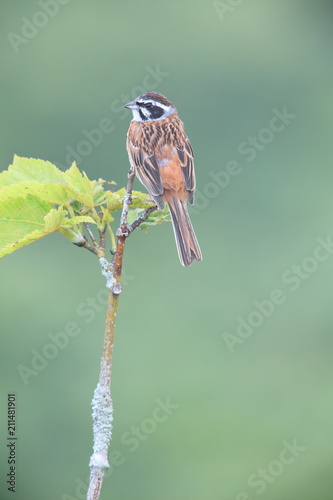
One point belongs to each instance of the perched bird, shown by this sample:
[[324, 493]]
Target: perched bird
[[162, 157]]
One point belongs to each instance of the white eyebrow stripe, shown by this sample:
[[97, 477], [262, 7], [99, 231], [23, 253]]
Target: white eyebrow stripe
[[154, 103], [167, 110]]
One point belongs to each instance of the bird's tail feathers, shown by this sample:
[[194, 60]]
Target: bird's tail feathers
[[186, 240]]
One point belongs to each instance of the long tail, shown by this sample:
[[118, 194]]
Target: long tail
[[186, 241]]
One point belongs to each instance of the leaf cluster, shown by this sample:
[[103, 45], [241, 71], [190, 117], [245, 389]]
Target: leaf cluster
[[37, 199]]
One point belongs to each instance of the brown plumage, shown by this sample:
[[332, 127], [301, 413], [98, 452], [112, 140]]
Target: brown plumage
[[162, 157]]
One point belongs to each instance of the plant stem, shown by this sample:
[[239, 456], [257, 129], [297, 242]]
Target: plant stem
[[102, 405], [127, 200], [102, 401]]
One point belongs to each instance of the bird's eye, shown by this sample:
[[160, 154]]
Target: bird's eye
[[149, 105]]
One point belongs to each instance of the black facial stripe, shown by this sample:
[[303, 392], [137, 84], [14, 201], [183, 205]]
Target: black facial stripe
[[156, 112], [153, 112]]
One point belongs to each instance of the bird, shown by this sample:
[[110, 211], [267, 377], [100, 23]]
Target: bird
[[161, 156]]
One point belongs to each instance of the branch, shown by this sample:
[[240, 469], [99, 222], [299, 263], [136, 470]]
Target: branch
[[127, 199], [95, 248], [142, 218], [123, 231], [102, 401], [84, 244], [91, 234]]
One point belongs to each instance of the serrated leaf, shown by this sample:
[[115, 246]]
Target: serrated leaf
[[139, 200], [78, 185], [21, 222], [78, 180], [43, 179], [21, 242], [74, 221], [30, 169], [57, 219], [25, 220], [99, 195], [52, 193], [36, 198], [114, 201], [54, 219]]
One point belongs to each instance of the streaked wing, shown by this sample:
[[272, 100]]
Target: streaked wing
[[185, 154], [146, 169]]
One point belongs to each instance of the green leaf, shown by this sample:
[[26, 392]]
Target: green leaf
[[99, 195], [36, 199], [43, 179], [29, 169], [52, 193], [114, 201], [156, 218], [24, 220], [53, 220], [107, 217], [21, 222], [57, 219], [79, 186], [74, 221], [139, 200]]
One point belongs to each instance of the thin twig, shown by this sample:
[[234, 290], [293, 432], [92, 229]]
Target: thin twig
[[84, 244], [142, 218], [91, 234], [97, 249]]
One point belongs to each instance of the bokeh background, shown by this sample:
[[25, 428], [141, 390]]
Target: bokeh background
[[234, 403]]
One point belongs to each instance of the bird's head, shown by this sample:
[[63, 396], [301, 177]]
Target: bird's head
[[150, 106]]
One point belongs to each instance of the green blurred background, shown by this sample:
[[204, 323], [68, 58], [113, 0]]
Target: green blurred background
[[235, 401]]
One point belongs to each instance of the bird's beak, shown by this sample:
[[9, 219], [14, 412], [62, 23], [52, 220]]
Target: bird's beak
[[131, 105]]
